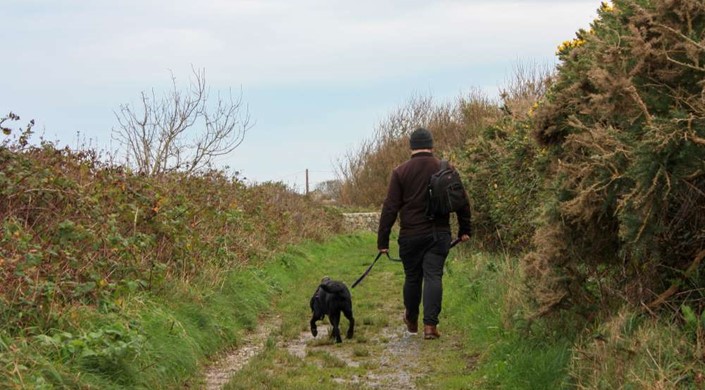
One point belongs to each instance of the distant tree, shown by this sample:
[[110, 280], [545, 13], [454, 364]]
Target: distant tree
[[181, 130], [329, 189], [365, 170]]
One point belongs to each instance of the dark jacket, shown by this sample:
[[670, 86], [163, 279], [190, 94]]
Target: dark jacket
[[406, 196]]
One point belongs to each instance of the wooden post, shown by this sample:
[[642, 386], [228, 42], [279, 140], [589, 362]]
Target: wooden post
[[306, 181]]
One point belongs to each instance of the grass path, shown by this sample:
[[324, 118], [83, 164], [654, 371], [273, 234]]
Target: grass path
[[224, 367], [282, 354], [484, 344]]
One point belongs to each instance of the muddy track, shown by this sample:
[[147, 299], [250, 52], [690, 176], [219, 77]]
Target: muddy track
[[396, 359], [219, 372], [382, 355]]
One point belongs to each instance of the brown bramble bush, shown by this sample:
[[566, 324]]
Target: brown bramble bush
[[78, 230]]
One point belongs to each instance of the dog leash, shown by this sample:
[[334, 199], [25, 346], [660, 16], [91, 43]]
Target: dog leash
[[452, 244], [370, 267]]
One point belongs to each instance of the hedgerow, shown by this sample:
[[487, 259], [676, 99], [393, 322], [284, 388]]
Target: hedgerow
[[78, 232]]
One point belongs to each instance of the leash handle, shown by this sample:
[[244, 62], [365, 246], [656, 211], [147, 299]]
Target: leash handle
[[392, 258], [456, 242]]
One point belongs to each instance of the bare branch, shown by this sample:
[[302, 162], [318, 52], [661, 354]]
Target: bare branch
[[179, 130]]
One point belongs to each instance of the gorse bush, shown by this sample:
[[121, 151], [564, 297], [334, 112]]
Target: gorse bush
[[502, 169], [624, 121], [504, 166]]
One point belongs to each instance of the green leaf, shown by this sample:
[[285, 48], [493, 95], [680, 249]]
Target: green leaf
[[691, 320], [46, 340]]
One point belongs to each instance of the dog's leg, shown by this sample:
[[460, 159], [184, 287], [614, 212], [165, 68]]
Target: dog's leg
[[335, 322], [349, 315], [314, 306], [314, 329]]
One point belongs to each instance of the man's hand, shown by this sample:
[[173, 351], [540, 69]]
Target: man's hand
[[464, 237], [384, 250]]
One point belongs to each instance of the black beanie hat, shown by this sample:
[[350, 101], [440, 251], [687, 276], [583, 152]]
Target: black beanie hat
[[421, 139]]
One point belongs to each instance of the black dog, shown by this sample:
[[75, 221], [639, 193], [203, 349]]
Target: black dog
[[331, 298]]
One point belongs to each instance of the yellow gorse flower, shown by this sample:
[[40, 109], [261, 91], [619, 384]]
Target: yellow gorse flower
[[606, 7], [569, 45], [533, 108]]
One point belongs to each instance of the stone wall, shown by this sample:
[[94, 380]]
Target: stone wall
[[353, 222]]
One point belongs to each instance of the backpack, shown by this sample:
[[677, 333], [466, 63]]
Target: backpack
[[445, 192]]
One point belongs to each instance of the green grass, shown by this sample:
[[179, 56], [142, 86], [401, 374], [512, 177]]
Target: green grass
[[149, 342], [299, 272], [482, 303], [165, 341], [144, 341], [480, 346]]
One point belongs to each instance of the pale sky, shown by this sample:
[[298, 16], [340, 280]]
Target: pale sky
[[317, 75]]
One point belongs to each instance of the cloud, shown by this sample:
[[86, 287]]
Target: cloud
[[329, 44], [272, 42], [316, 72]]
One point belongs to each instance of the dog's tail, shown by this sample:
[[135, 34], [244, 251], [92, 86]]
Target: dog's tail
[[333, 287]]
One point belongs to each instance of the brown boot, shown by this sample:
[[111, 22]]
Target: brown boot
[[430, 332], [411, 326]]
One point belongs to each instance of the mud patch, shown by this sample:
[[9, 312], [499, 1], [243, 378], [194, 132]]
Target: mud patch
[[400, 360], [305, 342], [393, 361]]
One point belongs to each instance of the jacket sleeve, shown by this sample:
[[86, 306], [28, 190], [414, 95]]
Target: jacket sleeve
[[464, 219], [390, 209]]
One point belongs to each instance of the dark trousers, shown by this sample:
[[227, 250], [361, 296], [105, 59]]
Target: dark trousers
[[423, 257]]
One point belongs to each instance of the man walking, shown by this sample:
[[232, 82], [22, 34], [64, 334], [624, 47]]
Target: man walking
[[423, 243]]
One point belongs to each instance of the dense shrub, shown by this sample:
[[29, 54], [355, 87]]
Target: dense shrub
[[504, 179], [76, 230], [625, 122], [503, 165]]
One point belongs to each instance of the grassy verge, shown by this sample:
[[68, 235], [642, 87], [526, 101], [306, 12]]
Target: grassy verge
[[143, 341], [483, 303], [162, 341], [634, 350]]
